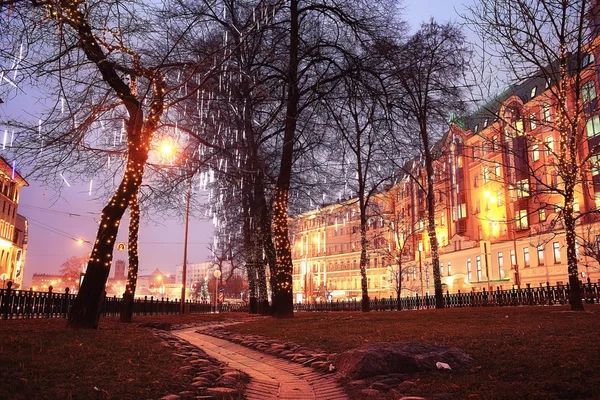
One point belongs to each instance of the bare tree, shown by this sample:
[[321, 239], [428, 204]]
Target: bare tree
[[73, 268], [429, 69], [109, 76], [362, 123]]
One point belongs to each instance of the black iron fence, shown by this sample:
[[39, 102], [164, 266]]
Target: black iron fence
[[30, 304], [544, 295]]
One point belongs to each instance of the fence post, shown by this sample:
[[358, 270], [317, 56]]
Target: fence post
[[6, 300], [64, 308]]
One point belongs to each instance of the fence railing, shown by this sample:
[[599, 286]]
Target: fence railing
[[30, 304], [545, 295]]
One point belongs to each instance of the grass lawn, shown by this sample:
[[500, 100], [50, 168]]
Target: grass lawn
[[519, 352], [525, 352], [41, 359]]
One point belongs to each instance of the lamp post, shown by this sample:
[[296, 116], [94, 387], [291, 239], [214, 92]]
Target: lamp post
[[185, 243], [166, 150], [217, 275]]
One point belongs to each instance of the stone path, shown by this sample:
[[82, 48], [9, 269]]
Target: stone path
[[271, 377]]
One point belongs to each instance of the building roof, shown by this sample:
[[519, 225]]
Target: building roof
[[8, 170]]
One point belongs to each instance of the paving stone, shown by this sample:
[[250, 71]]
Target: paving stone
[[407, 386], [271, 377]]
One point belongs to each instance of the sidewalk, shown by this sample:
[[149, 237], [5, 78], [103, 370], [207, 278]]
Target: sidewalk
[[271, 377]]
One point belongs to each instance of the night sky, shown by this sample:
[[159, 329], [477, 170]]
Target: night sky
[[56, 220]]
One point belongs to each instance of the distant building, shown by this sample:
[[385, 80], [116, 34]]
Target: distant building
[[120, 270], [13, 227], [42, 283], [195, 272]]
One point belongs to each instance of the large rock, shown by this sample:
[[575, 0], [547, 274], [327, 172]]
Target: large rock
[[389, 358]]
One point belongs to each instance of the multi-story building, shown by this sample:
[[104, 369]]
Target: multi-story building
[[13, 227], [498, 207]]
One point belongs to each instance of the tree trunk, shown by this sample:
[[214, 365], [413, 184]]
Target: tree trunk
[[365, 304], [571, 241], [283, 296], [433, 243], [249, 249], [263, 299], [85, 312], [132, 270], [265, 229]]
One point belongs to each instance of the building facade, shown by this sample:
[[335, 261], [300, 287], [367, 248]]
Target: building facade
[[13, 227], [498, 207]]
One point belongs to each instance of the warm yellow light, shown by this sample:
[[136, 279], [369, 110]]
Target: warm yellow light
[[315, 239], [166, 148], [80, 241], [493, 199], [486, 193]]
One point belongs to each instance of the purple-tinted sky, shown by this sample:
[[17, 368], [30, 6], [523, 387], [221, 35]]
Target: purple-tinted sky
[[55, 221]]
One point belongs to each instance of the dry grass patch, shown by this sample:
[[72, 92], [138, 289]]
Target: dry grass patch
[[520, 352], [41, 359]]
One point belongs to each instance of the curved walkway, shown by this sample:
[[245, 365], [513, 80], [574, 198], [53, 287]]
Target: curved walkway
[[271, 377]]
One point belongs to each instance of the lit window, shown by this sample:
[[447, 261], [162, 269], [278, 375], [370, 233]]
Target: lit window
[[597, 199], [485, 122], [532, 122], [519, 127], [500, 265], [462, 211], [476, 128], [556, 251], [535, 152], [549, 145], [469, 271], [523, 188], [554, 179], [588, 92], [540, 254], [486, 175], [478, 263], [459, 162], [521, 220], [497, 170], [441, 269], [592, 126], [526, 256], [513, 259], [449, 269], [546, 112], [542, 214], [595, 164], [533, 91]]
